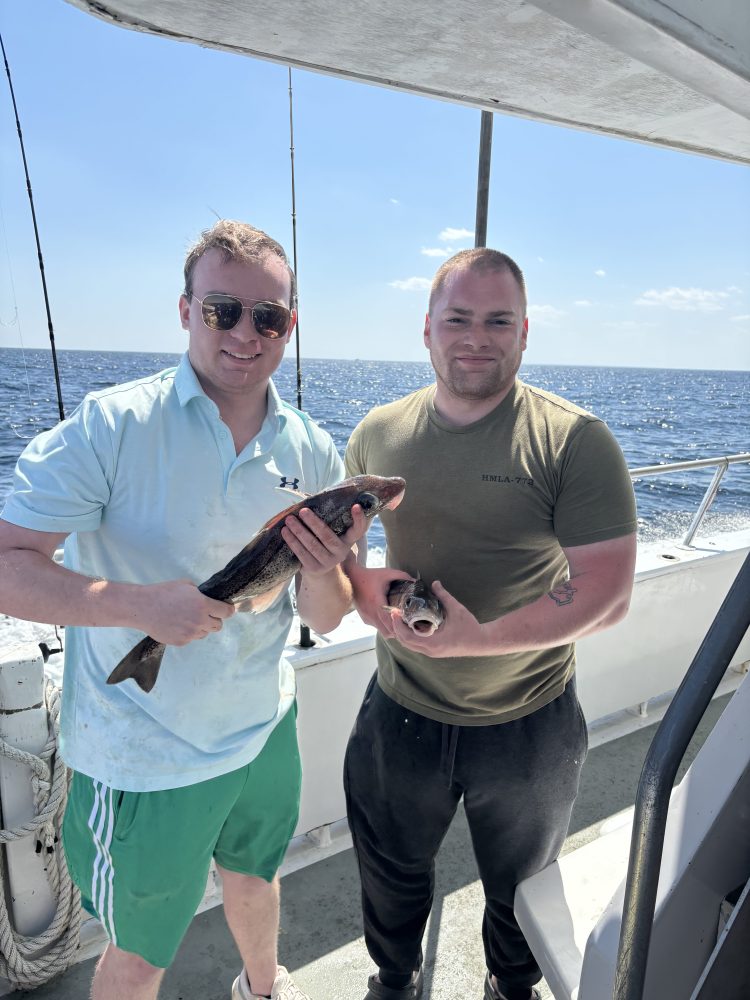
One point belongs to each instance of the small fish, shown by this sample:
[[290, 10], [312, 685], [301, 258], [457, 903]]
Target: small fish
[[419, 607], [256, 576]]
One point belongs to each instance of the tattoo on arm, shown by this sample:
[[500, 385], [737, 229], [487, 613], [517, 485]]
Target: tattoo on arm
[[563, 594]]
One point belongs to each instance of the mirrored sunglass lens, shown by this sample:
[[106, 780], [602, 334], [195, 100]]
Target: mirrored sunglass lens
[[221, 312], [270, 319]]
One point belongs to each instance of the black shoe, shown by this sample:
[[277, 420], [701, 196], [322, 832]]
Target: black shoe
[[491, 993], [379, 991]]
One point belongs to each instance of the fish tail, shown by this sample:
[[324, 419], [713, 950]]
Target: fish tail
[[141, 663]]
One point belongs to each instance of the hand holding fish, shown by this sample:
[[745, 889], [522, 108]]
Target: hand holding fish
[[459, 635], [371, 588], [318, 548], [176, 612], [323, 589]]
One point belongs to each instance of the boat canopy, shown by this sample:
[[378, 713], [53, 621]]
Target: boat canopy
[[668, 72]]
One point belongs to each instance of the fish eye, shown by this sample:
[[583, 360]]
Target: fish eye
[[367, 501]]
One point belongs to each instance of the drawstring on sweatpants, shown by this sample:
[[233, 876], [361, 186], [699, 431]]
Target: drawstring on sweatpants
[[448, 744]]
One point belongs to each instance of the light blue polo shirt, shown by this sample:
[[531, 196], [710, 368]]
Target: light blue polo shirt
[[145, 480]]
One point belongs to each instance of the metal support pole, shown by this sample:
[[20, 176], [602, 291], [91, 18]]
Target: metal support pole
[[483, 179], [708, 499]]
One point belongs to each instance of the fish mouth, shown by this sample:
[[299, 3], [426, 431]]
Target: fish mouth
[[423, 621], [399, 486], [423, 627]]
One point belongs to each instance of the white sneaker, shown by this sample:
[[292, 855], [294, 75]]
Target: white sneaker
[[282, 989]]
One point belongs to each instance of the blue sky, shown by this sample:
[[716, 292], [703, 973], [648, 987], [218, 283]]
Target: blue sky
[[633, 255]]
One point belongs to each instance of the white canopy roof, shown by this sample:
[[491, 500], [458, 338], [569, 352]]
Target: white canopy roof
[[669, 72]]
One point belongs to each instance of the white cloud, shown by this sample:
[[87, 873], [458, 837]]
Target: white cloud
[[630, 325], [582, 302], [684, 299], [456, 234], [545, 315], [411, 284], [600, 273], [394, 201], [436, 251], [540, 259], [740, 319]]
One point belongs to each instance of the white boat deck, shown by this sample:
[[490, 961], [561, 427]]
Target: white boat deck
[[320, 939]]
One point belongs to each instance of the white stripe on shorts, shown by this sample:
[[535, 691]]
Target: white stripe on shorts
[[102, 879]]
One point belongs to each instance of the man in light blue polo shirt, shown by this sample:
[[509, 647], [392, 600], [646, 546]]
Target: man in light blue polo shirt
[[153, 486]]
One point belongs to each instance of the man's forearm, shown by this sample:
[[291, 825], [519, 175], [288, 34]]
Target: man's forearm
[[35, 588], [322, 601], [596, 595], [569, 612], [175, 612]]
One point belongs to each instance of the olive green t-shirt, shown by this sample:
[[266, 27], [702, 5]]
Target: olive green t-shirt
[[486, 510]]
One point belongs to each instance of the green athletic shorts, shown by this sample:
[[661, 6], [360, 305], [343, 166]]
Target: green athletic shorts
[[141, 859]]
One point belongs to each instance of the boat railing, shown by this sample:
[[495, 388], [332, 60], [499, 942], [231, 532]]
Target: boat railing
[[721, 463], [657, 778]]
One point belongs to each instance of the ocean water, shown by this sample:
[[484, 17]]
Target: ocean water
[[657, 415]]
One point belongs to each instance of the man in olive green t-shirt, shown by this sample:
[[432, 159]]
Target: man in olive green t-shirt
[[519, 506]]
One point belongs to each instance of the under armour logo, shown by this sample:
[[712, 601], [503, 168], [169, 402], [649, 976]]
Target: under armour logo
[[290, 484]]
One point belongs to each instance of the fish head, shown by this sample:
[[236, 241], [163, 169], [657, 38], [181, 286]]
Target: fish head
[[423, 616], [417, 605], [378, 493], [373, 494]]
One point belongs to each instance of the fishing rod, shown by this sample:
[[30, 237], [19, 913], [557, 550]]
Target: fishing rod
[[305, 639], [294, 238], [36, 235]]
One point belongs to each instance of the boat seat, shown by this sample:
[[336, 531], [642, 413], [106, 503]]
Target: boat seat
[[571, 911], [559, 907]]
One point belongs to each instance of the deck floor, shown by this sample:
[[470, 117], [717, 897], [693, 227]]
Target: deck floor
[[320, 940]]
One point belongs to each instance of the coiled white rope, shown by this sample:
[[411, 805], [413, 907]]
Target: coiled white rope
[[31, 961]]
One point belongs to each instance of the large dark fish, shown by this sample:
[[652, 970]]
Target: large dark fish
[[254, 578], [418, 606]]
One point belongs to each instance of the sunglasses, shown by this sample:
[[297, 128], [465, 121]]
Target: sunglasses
[[224, 312]]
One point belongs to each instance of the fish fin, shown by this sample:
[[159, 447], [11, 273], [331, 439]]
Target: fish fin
[[141, 663], [245, 606], [263, 601], [278, 519]]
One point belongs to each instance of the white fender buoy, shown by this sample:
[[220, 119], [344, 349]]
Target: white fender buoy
[[24, 725]]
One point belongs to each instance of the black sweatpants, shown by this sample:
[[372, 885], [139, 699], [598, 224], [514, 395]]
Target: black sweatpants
[[404, 776]]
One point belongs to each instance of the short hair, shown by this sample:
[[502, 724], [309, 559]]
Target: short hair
[[480, 259], [236, 241]]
